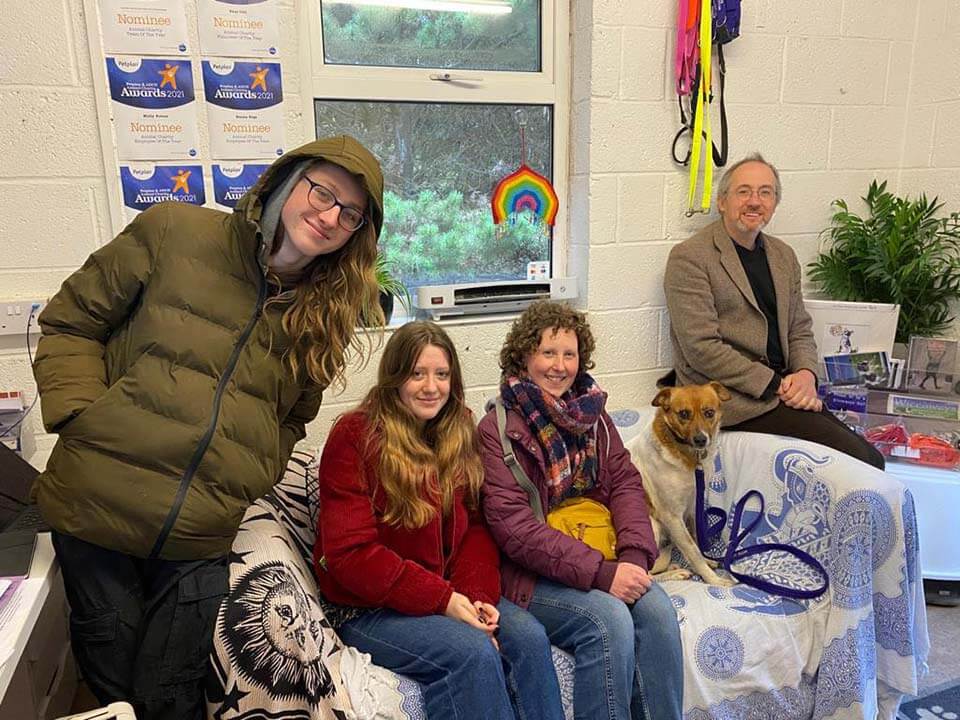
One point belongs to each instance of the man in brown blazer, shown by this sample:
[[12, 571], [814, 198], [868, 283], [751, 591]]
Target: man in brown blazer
[[737, 317]]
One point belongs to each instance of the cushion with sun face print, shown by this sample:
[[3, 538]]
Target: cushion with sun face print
[[275, 654]]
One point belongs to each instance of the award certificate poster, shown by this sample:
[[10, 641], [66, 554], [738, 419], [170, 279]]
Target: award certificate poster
[[244, 109], [154, 107], [231, 181], [144, 27], [239, 28], [146, 184]]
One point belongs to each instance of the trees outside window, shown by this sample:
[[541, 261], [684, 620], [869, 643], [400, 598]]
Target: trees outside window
[[437, 93]]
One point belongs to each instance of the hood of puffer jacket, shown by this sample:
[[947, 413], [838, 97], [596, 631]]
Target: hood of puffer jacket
[[342, 150]]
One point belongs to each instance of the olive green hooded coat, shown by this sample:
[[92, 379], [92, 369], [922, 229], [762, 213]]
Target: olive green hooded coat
[[161, 367]]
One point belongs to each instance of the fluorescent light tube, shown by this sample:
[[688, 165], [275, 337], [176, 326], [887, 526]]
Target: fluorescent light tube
[[478, 7]]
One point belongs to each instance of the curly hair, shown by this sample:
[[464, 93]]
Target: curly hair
[[527, 330]]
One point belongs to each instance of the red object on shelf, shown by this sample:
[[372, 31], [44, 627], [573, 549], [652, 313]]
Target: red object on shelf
[[885, 437], [935, 451]]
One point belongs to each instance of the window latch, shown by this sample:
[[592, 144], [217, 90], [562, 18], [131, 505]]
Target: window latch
[[448, 77]]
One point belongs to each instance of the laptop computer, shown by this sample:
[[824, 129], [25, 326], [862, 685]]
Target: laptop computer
[[20, 521]]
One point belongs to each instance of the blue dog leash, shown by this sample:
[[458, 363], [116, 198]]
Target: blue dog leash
[[707, 530]]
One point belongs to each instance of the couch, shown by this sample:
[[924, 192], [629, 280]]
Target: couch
[[852, 653]]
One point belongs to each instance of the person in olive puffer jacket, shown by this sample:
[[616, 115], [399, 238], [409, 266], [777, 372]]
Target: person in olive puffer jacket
[[179, 367]]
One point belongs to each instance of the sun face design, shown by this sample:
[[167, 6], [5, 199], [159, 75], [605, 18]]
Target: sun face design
[[274, 635]]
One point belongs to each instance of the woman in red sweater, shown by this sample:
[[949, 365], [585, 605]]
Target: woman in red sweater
[[402, 555]]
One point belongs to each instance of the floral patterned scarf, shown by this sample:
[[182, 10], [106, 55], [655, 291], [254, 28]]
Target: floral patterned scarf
[[565, 428]]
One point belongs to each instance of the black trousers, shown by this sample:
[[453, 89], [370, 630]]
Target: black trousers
[[142, 630], [819, 427]]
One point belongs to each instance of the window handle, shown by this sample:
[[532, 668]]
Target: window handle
[[448, 77]]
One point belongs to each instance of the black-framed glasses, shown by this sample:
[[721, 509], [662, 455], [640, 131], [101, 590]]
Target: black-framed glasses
[[321, 199]]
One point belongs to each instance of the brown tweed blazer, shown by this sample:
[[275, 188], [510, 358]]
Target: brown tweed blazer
[[716, 327]]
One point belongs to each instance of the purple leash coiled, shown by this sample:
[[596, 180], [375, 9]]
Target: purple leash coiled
[[710, 522]]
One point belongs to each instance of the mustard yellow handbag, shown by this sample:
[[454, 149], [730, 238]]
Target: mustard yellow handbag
[[582, 518], [587, 521]]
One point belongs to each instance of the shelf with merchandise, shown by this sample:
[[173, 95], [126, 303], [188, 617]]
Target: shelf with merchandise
[[918, 429]]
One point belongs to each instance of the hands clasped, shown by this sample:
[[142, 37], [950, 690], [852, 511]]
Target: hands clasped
[[478, 614], [799, 391]]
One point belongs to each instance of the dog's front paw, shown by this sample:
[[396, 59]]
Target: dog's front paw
[[714, 579], [675, 572]]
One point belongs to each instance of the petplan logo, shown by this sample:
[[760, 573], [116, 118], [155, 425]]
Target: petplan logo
[[232, 181], [242, 85], [150, 83], [146, 186]]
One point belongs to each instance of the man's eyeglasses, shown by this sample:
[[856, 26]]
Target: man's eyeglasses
[[322, 199], [765, 193]]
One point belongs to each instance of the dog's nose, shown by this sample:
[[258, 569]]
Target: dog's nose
[[701, 439]]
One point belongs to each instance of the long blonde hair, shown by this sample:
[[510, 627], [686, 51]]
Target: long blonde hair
[[337, 290], [421, 463]]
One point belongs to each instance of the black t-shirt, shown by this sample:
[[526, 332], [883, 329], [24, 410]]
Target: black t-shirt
[[758, 274]]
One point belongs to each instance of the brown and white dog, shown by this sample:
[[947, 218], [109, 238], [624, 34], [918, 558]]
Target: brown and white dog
[[682, 433]]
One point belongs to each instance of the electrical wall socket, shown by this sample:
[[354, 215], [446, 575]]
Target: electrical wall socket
[[14, 315]]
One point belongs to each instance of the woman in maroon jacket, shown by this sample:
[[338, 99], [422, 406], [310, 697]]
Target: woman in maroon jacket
[[620, 627], [401, 551]]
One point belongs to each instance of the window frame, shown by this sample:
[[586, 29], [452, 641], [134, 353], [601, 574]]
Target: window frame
[[550, 86]]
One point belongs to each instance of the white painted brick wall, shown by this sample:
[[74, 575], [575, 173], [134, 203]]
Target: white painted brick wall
[[867, 137], [883, 20], [605, 66], [931, 148], [835, 71], [643, 64], [831, 92], [946, 149], [639, 221], [918, 136], [817, 18], [628, 336], [792, 137], [835, 93], [898, 74], [752, 81], [627, 276]]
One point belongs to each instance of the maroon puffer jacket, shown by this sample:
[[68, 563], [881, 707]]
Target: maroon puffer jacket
[[532, 548]]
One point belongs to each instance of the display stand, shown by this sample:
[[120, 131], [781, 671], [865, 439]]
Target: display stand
[[922, 452]]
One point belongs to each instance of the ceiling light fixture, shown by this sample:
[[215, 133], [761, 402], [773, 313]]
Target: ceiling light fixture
[[478, 7]]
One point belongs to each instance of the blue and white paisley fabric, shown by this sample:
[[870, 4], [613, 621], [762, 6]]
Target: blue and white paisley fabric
[[848, 654]]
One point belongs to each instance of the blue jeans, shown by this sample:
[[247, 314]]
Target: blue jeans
[[628, 661], [460, 671]]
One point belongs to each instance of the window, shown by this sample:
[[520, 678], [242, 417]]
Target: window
[[437, 89], [493, 35]]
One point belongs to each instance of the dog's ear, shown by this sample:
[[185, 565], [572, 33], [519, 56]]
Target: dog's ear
[[662, 399], [720, 390]]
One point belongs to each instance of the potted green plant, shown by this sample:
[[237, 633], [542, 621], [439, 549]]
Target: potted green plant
[[902, 252], [390, 287]]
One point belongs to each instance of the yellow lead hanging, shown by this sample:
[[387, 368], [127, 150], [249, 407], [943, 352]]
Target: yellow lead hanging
[[701, 121]]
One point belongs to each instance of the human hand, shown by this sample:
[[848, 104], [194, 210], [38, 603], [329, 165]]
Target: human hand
[[491, 616], [488, 613], [799, 391], [630, 582], [460, 608]]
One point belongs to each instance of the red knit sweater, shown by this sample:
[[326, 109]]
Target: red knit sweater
[[361, 561]]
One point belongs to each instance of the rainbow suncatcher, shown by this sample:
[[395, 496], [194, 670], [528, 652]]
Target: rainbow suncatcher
[[524, 189]]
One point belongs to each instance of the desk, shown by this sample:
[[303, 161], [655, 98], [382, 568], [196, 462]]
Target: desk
[[37, 678]]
